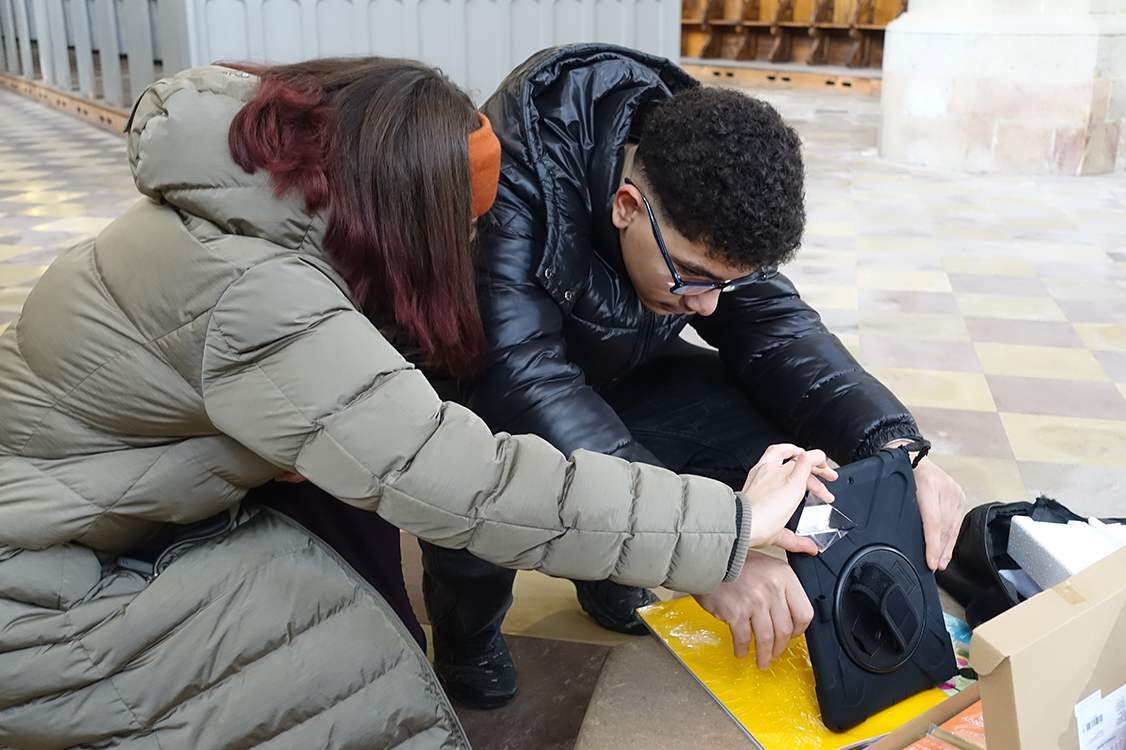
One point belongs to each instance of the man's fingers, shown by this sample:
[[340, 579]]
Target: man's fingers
[[764, 638], [741, 637], [800, 610], [783, 630]]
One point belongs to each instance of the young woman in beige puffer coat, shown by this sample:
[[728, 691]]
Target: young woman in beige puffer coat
[[226, 330]]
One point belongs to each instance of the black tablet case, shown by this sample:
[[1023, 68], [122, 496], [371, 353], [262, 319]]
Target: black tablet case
[[878, 634]]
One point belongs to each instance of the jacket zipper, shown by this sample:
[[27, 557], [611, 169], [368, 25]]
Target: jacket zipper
[[642, 340]]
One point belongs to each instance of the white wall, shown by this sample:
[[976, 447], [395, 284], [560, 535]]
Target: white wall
[[476, 42]]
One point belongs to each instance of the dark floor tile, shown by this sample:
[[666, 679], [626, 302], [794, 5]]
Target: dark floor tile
[[1028, 286], [1093, 311], [7, 316], [1114, 364], [1062, 398], [1087, 490], [830, 275], [957, 432], [557, 680], [841, 322], [1034, 332], [937, 303], [885, 261], [918, 354]]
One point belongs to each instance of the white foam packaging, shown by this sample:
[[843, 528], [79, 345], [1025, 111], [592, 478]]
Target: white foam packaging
[[1050, 553]]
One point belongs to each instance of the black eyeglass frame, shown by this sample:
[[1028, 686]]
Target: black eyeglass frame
[[684, 288]]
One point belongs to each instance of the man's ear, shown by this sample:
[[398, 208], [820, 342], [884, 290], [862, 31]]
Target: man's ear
[[627, 206]]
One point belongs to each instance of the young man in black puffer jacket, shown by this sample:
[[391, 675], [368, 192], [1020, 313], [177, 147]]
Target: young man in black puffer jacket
[[634, 202]]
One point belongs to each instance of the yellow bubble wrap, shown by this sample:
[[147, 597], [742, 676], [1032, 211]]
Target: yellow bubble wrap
[[777, 707]]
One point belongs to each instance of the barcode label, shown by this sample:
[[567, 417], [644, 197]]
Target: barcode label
[[1093, 723]]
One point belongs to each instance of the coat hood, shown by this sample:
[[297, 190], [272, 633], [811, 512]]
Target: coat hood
[[179, 154]]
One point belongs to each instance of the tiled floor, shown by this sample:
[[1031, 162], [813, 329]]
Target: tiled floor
[[995, 307]]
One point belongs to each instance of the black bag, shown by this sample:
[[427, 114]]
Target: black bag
[[878, 635], [973, 577]]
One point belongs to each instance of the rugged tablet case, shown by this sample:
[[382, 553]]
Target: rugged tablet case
[[877, 634]]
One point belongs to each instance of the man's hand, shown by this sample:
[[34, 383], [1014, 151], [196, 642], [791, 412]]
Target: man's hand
[[941, 504], [775, 487], [766, 600]]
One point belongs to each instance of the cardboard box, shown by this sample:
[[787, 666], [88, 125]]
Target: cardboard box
[[1042, 657], [1038, 660], [917, 728]]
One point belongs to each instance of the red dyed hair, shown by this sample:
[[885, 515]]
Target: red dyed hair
[[382, 143]]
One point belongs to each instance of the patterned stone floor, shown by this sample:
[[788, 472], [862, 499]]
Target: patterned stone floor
[[995, 307]]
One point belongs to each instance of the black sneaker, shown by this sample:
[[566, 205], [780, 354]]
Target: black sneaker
[[477, 677], [612, 605]]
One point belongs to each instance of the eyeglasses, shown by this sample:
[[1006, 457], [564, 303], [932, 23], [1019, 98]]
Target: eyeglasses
[[686, 288]]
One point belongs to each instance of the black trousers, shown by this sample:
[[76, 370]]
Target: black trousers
[[685, 408]]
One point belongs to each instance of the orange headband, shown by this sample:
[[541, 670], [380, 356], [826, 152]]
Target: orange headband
[[484, 166]]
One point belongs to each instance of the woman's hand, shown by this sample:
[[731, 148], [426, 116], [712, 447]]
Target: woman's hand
[[775, 487]]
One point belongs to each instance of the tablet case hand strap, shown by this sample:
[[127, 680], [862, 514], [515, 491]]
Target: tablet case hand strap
[[882, 597]]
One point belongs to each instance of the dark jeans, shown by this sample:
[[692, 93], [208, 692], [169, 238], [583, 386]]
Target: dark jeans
[[365, 541], [685, 408]]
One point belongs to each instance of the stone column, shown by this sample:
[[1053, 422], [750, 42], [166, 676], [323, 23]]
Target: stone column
[[1007, 86]]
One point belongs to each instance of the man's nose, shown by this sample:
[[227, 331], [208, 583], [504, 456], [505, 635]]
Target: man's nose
[[703, 304]]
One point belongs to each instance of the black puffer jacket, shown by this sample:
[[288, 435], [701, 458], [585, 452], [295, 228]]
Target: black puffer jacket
[[561, 315]]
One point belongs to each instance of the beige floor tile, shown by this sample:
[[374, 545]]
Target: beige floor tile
[[831, 228], [1043, 223], [4, 326], [937, 388], [954, 209], [903, 218], [985, 480], [825, 258], [1009, 306], [1102, 337], [1085, 289], [1121, 388], [933, 327], [972, 233], [545, 607], [881, 177], [1066, 440], [12, 299], [76, 224], [925, 188], [851, 342], [57, 209], [1039, 362], [908, 281], [824, 297], [1016, 200], [1094, 214], [11, 275], [12, 251], [897, 244], [27, 186], [987, 266], [43, 196]]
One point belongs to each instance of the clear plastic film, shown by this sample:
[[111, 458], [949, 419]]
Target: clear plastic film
[[822, 523], [777, 707]]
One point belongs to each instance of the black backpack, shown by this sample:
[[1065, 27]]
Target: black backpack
[[972, 576]]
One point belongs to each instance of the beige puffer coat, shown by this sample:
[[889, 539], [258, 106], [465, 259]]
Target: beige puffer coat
[[199, 346]]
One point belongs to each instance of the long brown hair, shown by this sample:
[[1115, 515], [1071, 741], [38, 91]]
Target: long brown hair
[[382, 143]]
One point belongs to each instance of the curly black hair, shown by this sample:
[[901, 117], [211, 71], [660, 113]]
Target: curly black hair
[[727, 172]]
